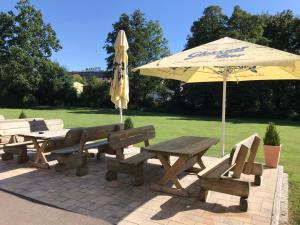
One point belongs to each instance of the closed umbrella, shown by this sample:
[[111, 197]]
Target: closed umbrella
[[119, 89], [226, 60]]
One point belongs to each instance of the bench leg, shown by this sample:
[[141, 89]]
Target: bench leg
[[257, 180], [73, 161], [203, 195], [255, 169], [100, 155], [111, 175], [114, 167], [243, 204], [82, 170], [7, 156], [23, 158], [138, 180], [120, 154]]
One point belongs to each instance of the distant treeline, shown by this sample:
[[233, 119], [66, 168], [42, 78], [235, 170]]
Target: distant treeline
[[28, 77]]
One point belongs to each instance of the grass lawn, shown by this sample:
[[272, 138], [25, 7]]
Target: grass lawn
[[169, 126]]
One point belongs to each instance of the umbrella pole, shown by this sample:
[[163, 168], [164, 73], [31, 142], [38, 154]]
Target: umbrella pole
[[121, 115], [223, 113]]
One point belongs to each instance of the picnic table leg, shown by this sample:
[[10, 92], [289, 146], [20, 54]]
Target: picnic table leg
[[200, 163], [171, 175], [120, 154], [40, 159]]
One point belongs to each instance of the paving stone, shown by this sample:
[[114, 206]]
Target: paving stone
[[120, 203]]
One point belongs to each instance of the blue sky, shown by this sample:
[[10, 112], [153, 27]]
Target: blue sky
[[82, 25]]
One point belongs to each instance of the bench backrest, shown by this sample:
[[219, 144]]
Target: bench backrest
[[124, 138], [240, 151], [14, 127], [101, 132], [81, 135], [237, 158]]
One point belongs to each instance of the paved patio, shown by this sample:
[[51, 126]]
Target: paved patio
[[120, 203]]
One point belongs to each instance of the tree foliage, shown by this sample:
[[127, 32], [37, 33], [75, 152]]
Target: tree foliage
[[96, 93], [146, 44], [270, 98], [271, 135], [27, 75]]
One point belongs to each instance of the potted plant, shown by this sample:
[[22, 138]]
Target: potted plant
[[128, 124], [272, 146]]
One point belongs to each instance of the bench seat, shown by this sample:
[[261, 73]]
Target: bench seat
[[224, 176], [19, 149], [76, 148], [133, 165], [138, 158], [73, 152]]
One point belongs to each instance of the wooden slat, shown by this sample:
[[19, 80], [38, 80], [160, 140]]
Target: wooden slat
[[124, 138], [173, 191], [76, 147], [252, 155], [14, 127], [186, 145], [216, 170], [66, 150], [256, 169], [95, 144], [101, 132], [226, 185], [138, 158], [240, 161]]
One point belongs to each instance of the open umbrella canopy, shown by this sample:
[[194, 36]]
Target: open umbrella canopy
[[119, 89], [239, 59], [225, 60]]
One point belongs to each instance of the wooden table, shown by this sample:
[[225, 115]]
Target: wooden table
[[189, 150], [41, 140]]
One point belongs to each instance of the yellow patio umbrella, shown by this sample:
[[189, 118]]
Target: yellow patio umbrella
[[119, 89], [225, 60]]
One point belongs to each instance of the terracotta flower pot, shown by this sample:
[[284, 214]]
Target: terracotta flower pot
[[272, 155]]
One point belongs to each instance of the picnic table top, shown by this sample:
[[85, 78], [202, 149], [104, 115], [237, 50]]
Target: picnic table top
[[185, 145], [48, 134]]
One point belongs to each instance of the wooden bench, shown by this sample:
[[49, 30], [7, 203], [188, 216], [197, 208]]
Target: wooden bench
[[133, 165], [224, 176], [78, 141], [251, 167], [10, 127], [18, 146]]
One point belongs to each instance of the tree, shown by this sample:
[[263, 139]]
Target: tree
[[245, 26], [270, 98], [211, 26], [146, 43], [96, 93], [26, 45]]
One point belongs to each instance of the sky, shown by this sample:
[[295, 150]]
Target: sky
[[82, 25]]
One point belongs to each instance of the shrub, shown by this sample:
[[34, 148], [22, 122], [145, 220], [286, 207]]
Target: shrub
[[22, 115], [128, 124], [271, 135]]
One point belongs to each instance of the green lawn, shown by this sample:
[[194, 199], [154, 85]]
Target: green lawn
[[168, 126]]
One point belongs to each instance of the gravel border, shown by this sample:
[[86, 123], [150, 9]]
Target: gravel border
[[284, 204], [280, 204]]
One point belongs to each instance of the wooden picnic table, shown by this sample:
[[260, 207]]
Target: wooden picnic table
[[189, 150], [41, 140]]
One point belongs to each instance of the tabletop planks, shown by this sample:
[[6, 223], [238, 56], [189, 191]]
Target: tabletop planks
[[50, 134], [185, 145]]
